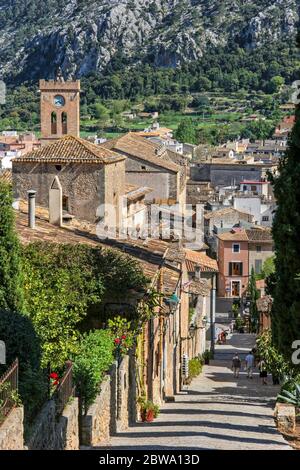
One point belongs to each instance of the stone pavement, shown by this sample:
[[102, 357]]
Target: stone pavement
[[216, 412]]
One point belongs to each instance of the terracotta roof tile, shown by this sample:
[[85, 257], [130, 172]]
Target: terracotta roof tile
[[206, 263], [6, 175], [149, 255], [136, 146], [234, 235], [70, 149], [222, 212]]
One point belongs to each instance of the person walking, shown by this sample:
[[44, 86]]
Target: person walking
[[263, 372], [249, 364], [236, 365]]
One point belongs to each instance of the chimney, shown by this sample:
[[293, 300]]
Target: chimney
[[197, 272], [31, 208]]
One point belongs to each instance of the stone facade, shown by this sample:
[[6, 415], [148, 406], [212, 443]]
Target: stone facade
[[50, 433], [141, 173], [84, 186], [11, 431]]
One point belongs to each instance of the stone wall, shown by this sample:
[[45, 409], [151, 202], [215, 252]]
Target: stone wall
[[96, 423], [123, 395], [50, 432], [223, 175], [11, 430], [82, 184]]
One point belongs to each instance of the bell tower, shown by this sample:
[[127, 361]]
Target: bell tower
[[60, 108]]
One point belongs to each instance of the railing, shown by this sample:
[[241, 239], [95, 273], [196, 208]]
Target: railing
[[8, 386], [65, 389]]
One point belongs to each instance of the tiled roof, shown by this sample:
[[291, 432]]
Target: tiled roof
[[222, 212], [234, 235], [70, 149], [133, 192], [259, 235], [264, 304], [6, 175], [206, 263], [149, 255], [136, 146], [199, 287], [254, 234]]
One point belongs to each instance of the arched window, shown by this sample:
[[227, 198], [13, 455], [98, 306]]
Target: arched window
[[53, 123], [64, 123]]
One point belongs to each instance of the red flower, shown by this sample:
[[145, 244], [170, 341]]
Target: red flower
[[123, 337], [53, 375], [117, 341]]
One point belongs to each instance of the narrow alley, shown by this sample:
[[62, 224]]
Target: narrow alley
[[216, 412]]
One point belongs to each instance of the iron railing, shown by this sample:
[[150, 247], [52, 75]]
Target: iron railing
[[65, 389], [8, 387]]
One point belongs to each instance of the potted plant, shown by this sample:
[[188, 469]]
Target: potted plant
[[206, 356], [149, 411]]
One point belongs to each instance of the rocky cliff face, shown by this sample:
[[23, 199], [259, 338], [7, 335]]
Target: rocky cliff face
[[83, 36]]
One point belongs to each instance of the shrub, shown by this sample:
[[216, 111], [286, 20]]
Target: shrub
[[21, 341], [195, 367], [94, 358]]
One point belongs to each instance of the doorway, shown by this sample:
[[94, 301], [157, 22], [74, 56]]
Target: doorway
[[235, 288]]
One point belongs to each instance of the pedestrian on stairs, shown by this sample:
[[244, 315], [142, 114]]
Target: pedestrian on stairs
[[236, 365], [249, 365]]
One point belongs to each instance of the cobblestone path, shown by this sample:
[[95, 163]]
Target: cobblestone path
[[216, 412]]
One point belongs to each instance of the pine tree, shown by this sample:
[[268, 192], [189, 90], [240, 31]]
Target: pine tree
[[285, 286], [10, 264]]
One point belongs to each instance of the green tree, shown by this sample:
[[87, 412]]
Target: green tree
[[275, 84], [254, 296], [285, 287], [101, 113], [11, 296], [186, 132]]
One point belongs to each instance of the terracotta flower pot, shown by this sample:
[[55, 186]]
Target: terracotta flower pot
[[147, 416]]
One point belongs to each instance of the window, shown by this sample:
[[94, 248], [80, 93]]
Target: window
[[64, 123], [65, 203], [236, 248], [143, 167], [258, 249], [265, 218], [253, 188], [235, 269], [53, 123], [258, 266], [58, 167]]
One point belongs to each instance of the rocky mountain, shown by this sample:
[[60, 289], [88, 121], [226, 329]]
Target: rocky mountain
[[84, 36]]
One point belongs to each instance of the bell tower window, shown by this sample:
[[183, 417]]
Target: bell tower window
[[53, 123], [64, 123]]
